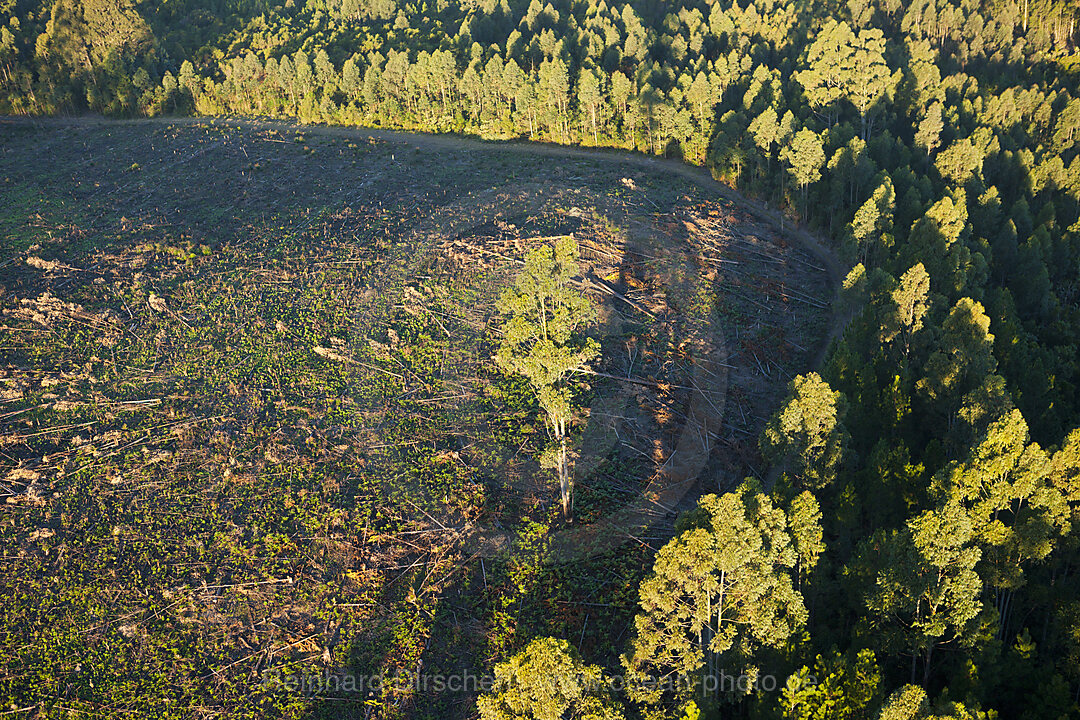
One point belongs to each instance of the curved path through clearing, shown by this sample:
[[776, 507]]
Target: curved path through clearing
[[672, 484], [697, 175]]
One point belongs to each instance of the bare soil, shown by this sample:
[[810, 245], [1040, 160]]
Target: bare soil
[[249, 409]]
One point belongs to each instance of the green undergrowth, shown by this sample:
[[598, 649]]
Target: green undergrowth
[[252, 429]]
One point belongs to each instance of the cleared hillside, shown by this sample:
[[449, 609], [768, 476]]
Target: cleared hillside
[[251, 424]]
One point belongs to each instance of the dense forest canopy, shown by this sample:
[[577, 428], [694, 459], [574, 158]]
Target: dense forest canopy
[[935, 143]]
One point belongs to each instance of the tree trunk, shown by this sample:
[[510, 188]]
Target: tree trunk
[[564, 476], [926, 666]]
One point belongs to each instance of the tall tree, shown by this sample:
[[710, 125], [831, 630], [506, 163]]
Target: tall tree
[[1065, 474], [871, 79], [907, 703], [553, 90], [830, 67], [804, 157], [721, 589], [702, 100], [965, 355], [805, 521], [543, 316], [1016, 511], [839, 688], [910, 303], [872, 225], [926, 589], [351, 81], [590, 98], [548, 681], [765, 129], [806, 436], [928, 135]]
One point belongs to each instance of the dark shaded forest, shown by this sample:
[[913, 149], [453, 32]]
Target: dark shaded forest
[[917, 553]]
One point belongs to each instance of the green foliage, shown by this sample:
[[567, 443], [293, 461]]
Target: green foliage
[[926, 589], [805, 521], [1015, 509], [844, 65], [871, 227], [718, 593], [910, 303], [907, 703], [804, 158], [830, 67], [965, 353], [547, 681], [838, 688], [806, 435], [934, 142], [1065, 475], [543, 314], [928, 135]]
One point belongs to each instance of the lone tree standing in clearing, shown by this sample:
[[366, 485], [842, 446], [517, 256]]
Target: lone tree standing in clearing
[[542, 313]]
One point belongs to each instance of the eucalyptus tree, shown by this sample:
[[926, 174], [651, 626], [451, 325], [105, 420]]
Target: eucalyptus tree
[[548, 681], [765, 129], [964, 355], [838, 687], [806, 436], [804, 521], [872, 226], [718, 591], [1007, 487], [543, 316], [928, 135], [804, 156], [590, 101], [925, 592], [910, 303], [830, 63], [871, 79]]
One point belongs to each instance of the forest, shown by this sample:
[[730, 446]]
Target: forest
[[909, 549]]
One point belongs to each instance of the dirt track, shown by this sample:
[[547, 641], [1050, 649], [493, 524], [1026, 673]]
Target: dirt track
[[697, 175], [785, 226], [670, 489]]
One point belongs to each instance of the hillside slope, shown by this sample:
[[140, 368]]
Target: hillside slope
[[252, 427]]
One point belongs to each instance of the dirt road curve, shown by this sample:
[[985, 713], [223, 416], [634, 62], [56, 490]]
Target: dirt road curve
[[697, 175], [785, 226], [673, 484]]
